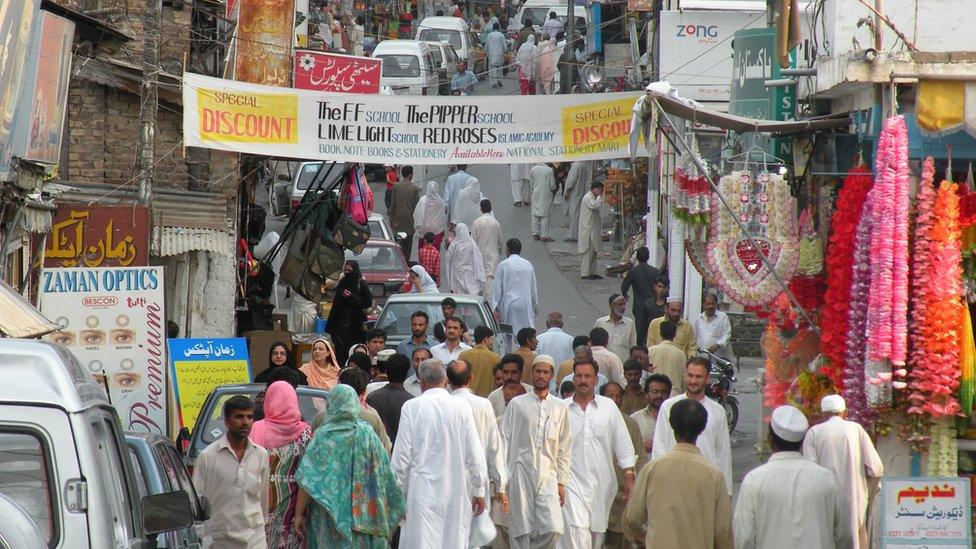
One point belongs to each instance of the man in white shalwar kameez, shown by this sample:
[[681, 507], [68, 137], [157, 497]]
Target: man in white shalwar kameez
[[577, 185], [440, 464], [465, 267], [453, 185], [514, 294], [590, 225], [496, 47], [520, 184], [845, 448], [487, 233], [790, 502], [543, 186], [536, 434], [459, 374], [599, 437], [714, 443]]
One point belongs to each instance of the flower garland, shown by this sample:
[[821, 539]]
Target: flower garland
[[888, 297], [768, 212], [967, 364], [943, 453], [839, 266], [938, 312], [853, 381]]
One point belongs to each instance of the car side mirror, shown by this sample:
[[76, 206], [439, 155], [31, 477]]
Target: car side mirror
[[399, 236], [284, 177], [505, 328], [166, 512]]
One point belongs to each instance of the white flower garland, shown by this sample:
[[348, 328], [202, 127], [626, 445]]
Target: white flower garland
[[766, 209]]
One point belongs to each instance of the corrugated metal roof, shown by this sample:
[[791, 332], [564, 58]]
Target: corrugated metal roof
[[167, 241], [170, 208], [18, 318]]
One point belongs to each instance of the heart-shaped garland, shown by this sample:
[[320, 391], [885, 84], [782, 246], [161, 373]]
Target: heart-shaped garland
[[764, 206]]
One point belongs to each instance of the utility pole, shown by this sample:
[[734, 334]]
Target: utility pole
[[570, 43], [149, 100]]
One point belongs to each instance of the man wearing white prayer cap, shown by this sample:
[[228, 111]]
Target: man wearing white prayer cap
[[845, 448], [790, 501]]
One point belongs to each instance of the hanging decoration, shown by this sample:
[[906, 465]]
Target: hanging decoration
[[937, 315], [692, 200], [888, 298], [762, 203], [839, 267], [790, 345], [854, 352], [967, 364]]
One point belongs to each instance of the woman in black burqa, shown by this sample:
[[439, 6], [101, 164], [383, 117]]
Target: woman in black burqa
[[348, 315]]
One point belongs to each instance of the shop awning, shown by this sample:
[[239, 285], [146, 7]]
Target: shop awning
[[690, 110], [18, 318]]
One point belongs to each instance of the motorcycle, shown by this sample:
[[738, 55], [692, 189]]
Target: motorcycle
[[721, 376]]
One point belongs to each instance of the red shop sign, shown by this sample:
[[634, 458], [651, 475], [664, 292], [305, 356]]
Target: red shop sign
[[333, 72]]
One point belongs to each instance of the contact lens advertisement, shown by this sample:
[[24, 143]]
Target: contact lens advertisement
[[199, 365], [113, 320]]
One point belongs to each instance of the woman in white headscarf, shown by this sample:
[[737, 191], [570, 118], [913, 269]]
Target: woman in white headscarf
[[465, 264], [421, 281], [467, 208], [547, 66], [430, 215], [527, 59]]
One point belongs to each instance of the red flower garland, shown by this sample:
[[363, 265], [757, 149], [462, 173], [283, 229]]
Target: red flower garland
[[938, 306], [840, 254]]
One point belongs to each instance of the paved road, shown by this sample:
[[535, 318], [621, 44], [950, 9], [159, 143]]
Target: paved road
[[560, 288]]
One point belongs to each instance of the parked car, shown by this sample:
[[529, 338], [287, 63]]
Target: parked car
[[304, 176], [446, 59], [159, 469], [394, 319], [456, 32], [210, 426], [63, 461], [379, 228], [537, 11], [408, 63], [384, 268]]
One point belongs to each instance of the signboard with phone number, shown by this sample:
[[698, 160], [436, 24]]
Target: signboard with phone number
[[926, 512]]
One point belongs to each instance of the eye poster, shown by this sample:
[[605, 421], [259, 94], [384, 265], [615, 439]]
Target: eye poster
[[112, 319]]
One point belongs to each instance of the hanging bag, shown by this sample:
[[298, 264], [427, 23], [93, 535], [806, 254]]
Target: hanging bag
[[348, 233]]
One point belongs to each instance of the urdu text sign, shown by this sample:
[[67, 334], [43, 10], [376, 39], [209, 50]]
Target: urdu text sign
[[199, 365], [926, 511]]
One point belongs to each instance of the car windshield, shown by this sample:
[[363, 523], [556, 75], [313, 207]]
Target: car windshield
[[395, 319], [375, 228], [378, 258], [213, 427], [537, 16], [307, 175], [447, 36], [438, 58], [400, 66]]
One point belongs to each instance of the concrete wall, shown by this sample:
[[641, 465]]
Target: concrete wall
[[942, 25]]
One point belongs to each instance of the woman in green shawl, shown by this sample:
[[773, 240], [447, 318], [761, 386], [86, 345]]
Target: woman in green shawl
[[356, 502]]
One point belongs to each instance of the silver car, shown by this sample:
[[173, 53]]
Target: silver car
[[474, 310]]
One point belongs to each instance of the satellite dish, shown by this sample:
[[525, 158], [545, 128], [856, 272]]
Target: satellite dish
[[593, 77]]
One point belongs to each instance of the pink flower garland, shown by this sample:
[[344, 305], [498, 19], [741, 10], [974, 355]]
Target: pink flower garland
[[888, 297], [853, 386]]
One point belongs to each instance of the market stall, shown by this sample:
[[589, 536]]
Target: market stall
[[861, 275]]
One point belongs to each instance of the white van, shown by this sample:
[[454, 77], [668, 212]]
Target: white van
[[537, 11], [455, 31], [407, 64], [447, 59], [63, 460]]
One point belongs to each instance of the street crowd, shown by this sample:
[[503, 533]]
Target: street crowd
[[602, 439]]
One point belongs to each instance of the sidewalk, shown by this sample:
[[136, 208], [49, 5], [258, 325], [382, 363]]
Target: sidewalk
[[567, 259]]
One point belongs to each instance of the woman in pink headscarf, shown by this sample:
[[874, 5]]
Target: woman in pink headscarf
[[548, 57], [286, 436]]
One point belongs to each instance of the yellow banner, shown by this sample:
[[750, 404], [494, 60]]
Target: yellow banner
[[247, 117]]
